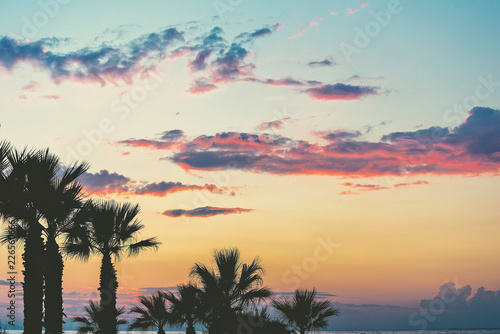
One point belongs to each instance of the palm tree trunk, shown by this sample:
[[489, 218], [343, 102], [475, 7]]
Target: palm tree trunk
[[161, 331], [190, 328], [33, 279], [107, 288], [54, 266]]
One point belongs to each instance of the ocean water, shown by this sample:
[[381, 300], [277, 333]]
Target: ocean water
[[444, 331]]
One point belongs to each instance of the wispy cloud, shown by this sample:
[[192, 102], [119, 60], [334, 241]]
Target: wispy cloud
[[301, 31], [340, 91], [274, 125], [354, 10], [357, 188], [322, 63], [105, 183], [204, 212], [50, 97]]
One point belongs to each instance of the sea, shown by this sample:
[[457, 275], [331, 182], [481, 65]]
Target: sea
[[446, 331]]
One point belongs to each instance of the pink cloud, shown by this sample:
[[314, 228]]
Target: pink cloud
[[352, 11], [50, 97], [469, 149], [301, 31]]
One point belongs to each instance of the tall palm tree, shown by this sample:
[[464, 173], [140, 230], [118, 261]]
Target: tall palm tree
[[90, 324], [304, 313], [152, 314], [186, 306], [228, 289], [55, 195], [62, 200], [109, 230], [21, 186]]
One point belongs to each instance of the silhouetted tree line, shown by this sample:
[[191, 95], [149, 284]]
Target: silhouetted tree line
[[226, 299], [46, 203]]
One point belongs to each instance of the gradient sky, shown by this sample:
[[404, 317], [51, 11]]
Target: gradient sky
[[275, 127]]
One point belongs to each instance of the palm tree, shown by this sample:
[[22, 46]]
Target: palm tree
[[303, 313], [153, 313], [228, 289], [62, 202], [53, 194], [21, 184], [186, 306], [91, 324], [109, 229]]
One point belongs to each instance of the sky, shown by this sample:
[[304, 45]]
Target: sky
[[353, 146]]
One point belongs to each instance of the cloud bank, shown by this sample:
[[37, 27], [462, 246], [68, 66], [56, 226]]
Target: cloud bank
[[472, 148]]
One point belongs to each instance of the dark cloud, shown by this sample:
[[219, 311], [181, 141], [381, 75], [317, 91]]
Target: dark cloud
[[172, 135], [479, 135], [200, 61], [340, 91], [106, 183], [206, 211], [458, 307], [322, 63], [231, 64], [213, 39], [163, 188], [431, 134], [284, 82], [261, 33], [341, 134]]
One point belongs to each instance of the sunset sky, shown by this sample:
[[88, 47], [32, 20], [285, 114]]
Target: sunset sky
[[278, 128]]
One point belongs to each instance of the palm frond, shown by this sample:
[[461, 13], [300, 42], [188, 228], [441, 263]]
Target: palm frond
[[135, 248]]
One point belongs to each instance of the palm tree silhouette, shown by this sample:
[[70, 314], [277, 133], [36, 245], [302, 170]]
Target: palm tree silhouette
[[152, 314], [62, 200], [51, 195], [109, 229], [186, 306], [228, 289], [303, 313], [91, 324], [23, 189]]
